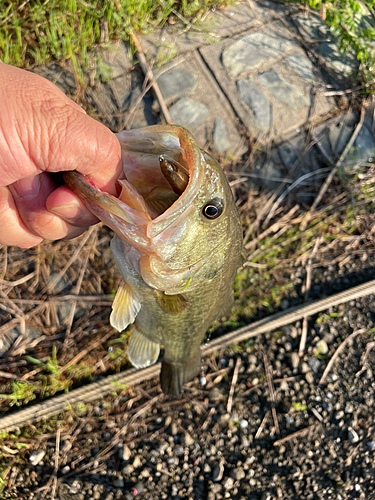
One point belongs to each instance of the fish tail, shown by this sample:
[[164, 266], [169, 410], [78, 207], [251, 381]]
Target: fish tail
[[175, 375]]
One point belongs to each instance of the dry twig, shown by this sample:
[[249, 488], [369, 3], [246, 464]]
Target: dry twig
[[302, 344], [148, 73], [337, 353], [233, 385], [297, 434], [271, 390]]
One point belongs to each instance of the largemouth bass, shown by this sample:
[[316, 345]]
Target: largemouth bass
[[178, 245]]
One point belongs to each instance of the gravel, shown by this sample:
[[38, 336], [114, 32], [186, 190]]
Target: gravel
[[138, 443]]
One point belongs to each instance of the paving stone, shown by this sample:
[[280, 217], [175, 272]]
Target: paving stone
[[61, 76], [302, 65], [339, 135], [117, 58], [283, 91], [188, 113], [100, 98], [253, 97], [364, 146], [222, 142], [177, 82], [311, 27], [343, 64], [289, 153], [252, 50], [121, 90]]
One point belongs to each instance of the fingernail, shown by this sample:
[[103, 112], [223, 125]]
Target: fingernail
[[71, 211], [27, 189]]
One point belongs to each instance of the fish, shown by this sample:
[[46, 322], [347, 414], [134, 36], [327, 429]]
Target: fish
[[178, 244]]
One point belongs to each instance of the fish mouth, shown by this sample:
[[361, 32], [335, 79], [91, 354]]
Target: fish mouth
[[154, 207]]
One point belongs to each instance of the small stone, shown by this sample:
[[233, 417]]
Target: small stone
[[314, 364], [353, 436], [218, 472], [283, 91], [188, 440], [245, 441], [251, 50], [321, 348], [284, 304], [237, 474], [118, 482], [74, 487], [305, 368], [137, 462], [228, 483], [244, 423], [174, 429], [36, 457], [65, 470], [206, 468], [138, 488], [188, 113], [295, 360], [124, 453], [309, 377], [339, 415], [177, 82]]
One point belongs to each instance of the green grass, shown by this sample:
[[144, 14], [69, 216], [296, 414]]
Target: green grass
[[42, 30]]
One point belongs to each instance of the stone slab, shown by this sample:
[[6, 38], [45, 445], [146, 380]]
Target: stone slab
[[117, 57], [274, 89]]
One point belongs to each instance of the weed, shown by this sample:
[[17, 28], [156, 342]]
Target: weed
[[299, 406], [22, 393]]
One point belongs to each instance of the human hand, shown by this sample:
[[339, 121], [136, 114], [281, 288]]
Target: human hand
[[42, 131]]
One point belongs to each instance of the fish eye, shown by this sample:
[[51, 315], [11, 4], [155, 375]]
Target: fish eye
[[213, 209]]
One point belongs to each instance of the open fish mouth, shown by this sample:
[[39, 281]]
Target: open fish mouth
[[155, 207]]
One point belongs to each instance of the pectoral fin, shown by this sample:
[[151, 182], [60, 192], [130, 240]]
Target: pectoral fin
[[172, 304], [125, 308], [142, 352]]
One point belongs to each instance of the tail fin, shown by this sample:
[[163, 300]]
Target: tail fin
[[175, 375]]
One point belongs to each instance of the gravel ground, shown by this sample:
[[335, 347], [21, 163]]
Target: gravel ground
[[258, 424]]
